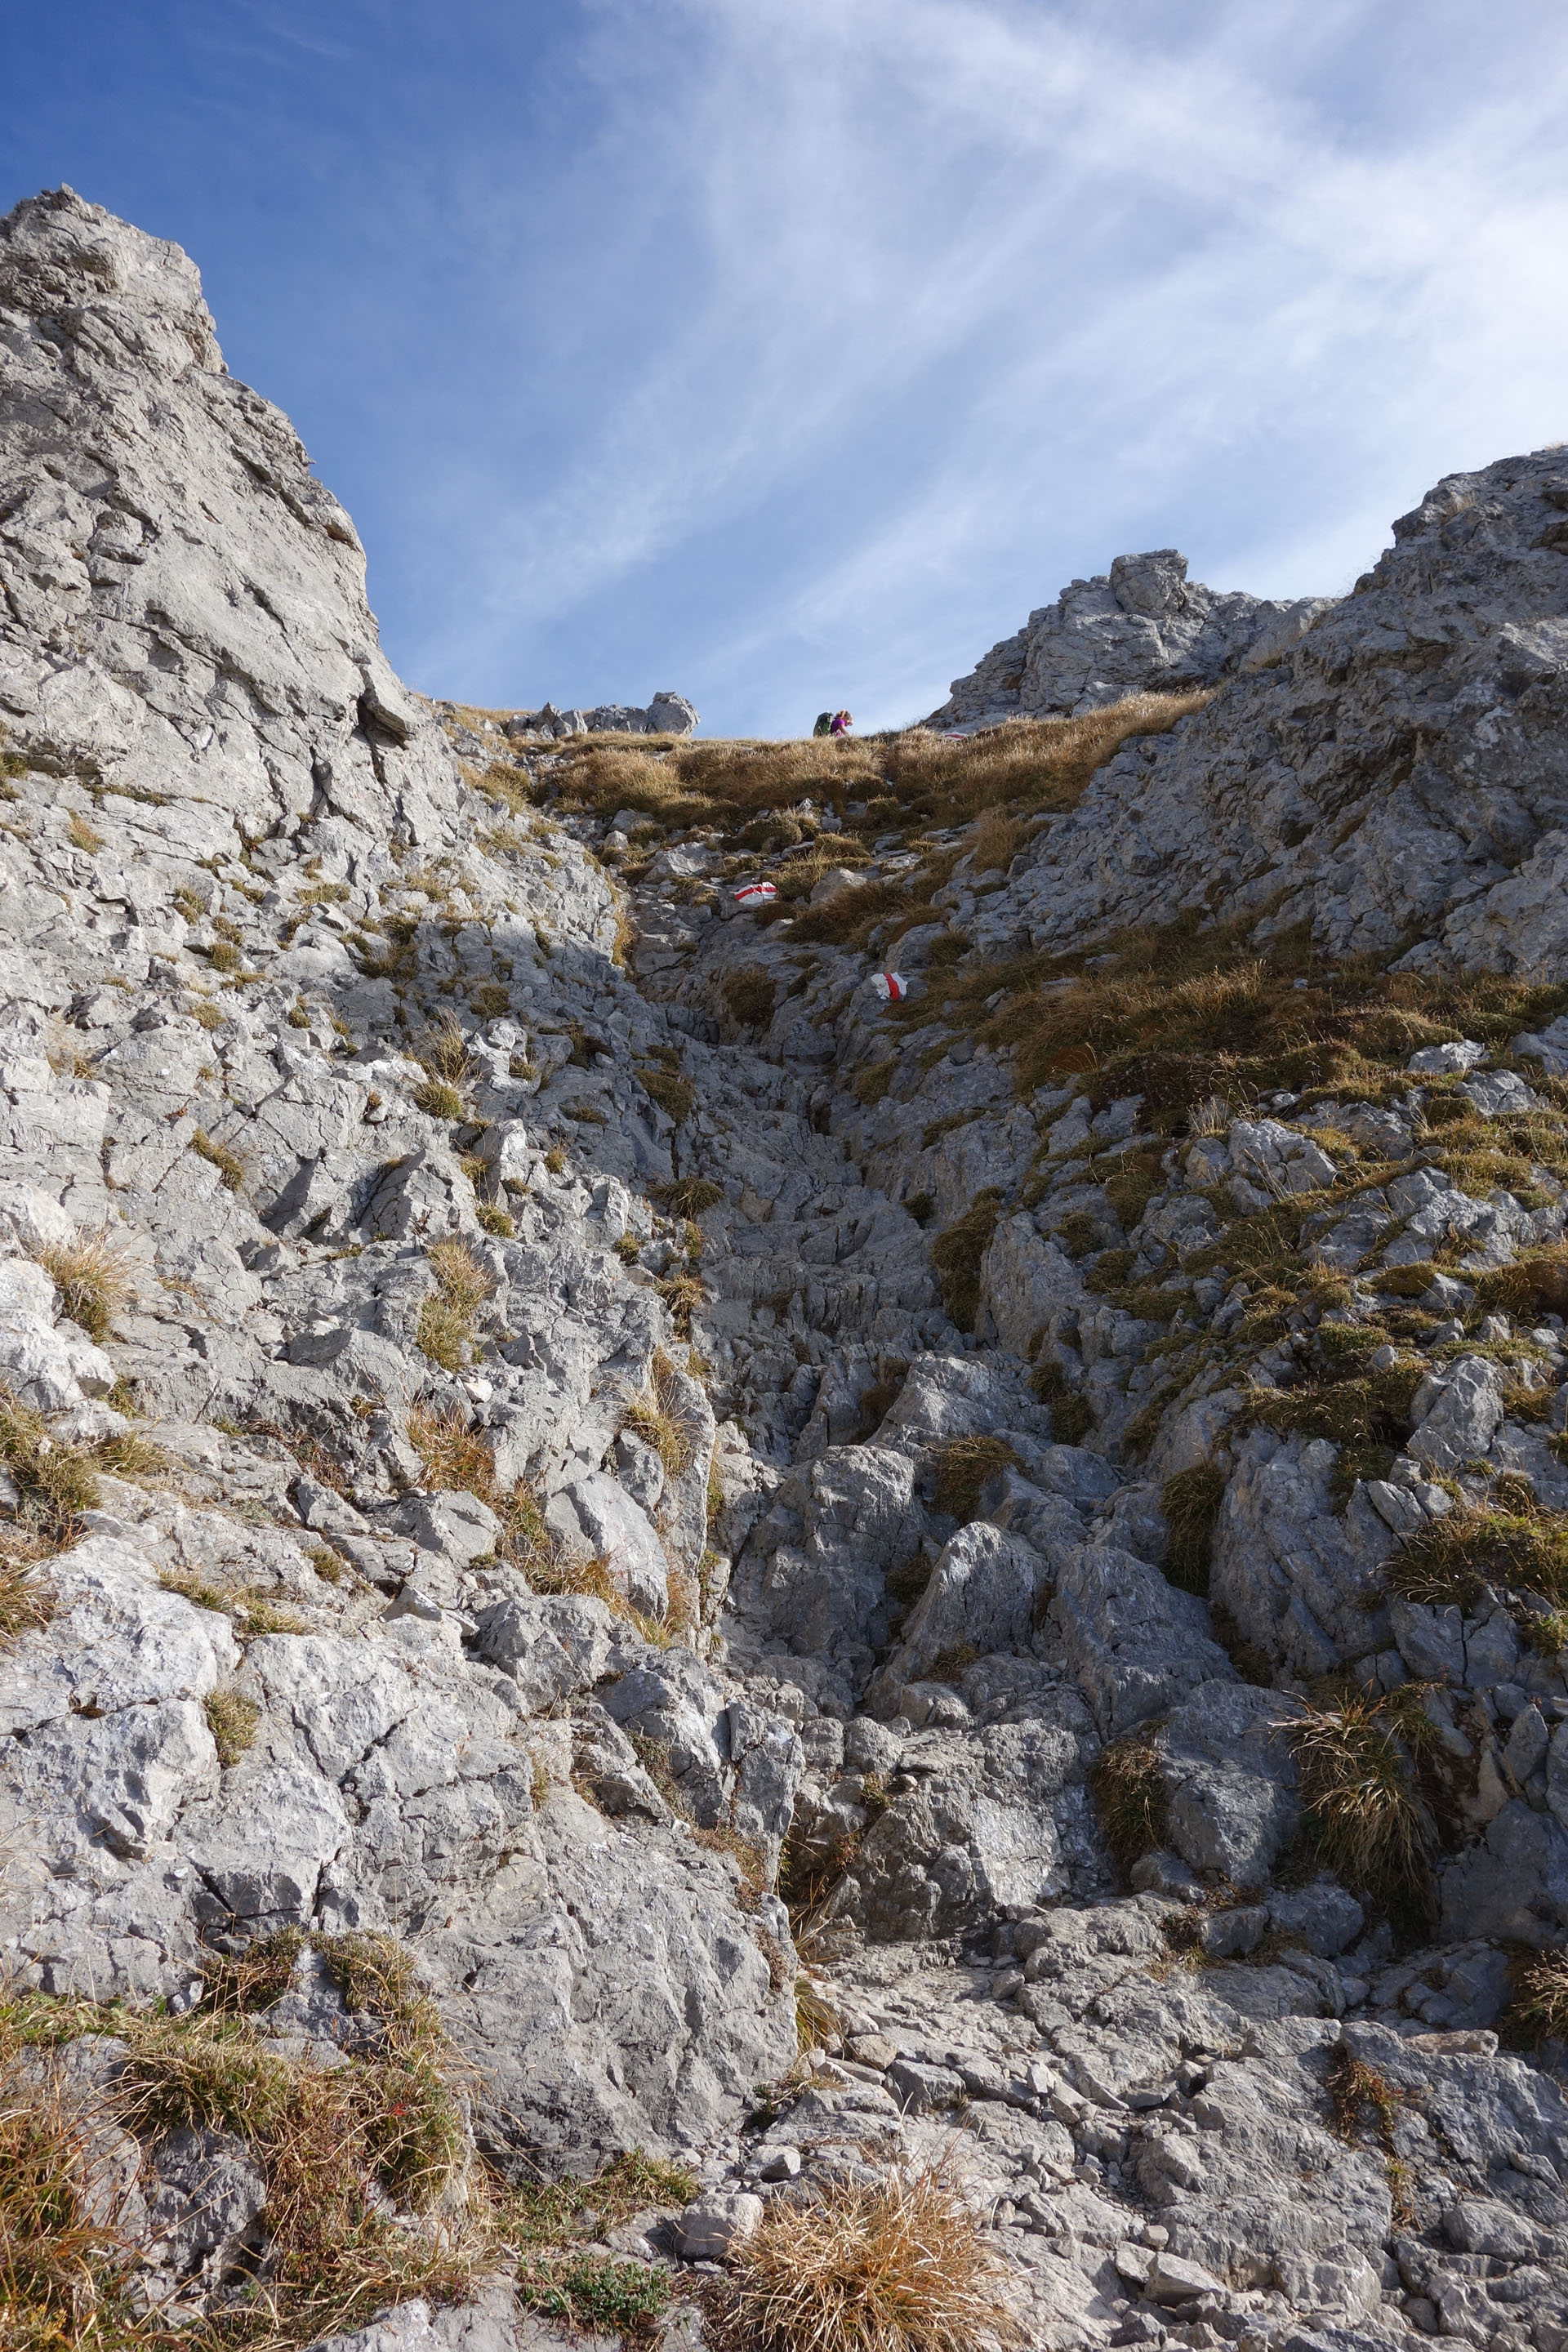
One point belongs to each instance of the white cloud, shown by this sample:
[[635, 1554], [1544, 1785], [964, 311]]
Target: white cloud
[[993, 290]]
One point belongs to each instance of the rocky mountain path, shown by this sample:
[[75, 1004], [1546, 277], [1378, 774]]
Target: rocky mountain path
[[652, 1587]]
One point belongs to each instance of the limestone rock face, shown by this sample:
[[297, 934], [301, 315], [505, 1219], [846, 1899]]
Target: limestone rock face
[[502, 1458], [1142, 627], [220, 791], [140, 656], [666, 714], [1389, 767]]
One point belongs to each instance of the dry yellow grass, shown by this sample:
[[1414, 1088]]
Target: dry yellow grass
[[1191, 1502], [56, 1480], [963, 1467], [89, 1274], [1539, 2009], [1531, 1287], [62, 2256], [232, 1719], [336, 2146], [1510, 1543], [333, 2142], [1129, 1791], [454, 1456], [229, 1166], [1359, 1796], [1016, 770], [25, 1603], [902, 2267], [660, 1417], [444, 1053], [956, 1254], [446, 1328]]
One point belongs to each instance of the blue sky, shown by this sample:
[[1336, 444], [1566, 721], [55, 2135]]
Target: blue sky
[[785, 352]]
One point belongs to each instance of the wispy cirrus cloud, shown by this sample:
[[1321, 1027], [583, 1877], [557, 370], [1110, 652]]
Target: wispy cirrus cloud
[[968, 295], [786, 352]]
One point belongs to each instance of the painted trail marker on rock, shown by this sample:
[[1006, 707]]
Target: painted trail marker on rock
[[890, 986], [756, 894]]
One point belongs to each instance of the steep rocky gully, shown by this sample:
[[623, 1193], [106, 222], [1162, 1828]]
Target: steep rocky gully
[[644, 1593]]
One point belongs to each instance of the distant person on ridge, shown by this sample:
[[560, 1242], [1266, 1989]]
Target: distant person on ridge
[[824, 723], [841, 723]]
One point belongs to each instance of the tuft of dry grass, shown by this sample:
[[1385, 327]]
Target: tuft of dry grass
[[660, 1418], [455, 1458], [370, 2197], [1129, 1791], [335, 2144], [444, 1053], [438, 1099], [232, 1719], [219, 1155], [1358, 2095], [870, 1085], [1367, 1416], [746, 1855], [254, 1612], [1191, 1502], [815, 2019], [446, 1328], [1508, 1544], [1508, 1541], [90, 1274], [674, 1095], [810, 1867], [25, 1603], [956, 1254], [1188, 1016], [748, 996], [1528, 1289], [903, 2266], [1072, 1416], [1362, 2100], [952, 1665], [1538, 2010], [63, 2260], [689, 1196], [1361, 1807], [963, 1467], [682, 1294], [56, 1480]]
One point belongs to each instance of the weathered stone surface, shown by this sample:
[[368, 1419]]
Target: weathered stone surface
[[477, 1605], [1231, 1779], [1409, 659], [1142, 627]]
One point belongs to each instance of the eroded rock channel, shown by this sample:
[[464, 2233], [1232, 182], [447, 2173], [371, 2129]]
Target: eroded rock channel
[[817, 1588]]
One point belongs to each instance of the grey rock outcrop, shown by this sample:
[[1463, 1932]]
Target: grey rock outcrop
[[1393, 776], [1142, 628], [666, 714], [221, 794]]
